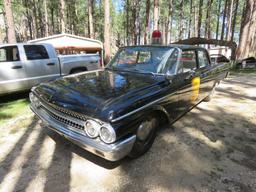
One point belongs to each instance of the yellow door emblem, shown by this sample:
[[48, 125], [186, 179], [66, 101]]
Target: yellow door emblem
[[195, 88]]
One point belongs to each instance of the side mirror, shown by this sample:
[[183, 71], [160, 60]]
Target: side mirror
[[169, 78]]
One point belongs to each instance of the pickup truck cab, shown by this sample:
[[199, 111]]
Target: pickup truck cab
[[24, 65], [117, 111]]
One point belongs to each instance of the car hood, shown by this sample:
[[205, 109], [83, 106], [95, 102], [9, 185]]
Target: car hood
[[101, 94]]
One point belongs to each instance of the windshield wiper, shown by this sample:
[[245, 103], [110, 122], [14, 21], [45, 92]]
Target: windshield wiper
[[111, 68], [134, 70], [147, 72]]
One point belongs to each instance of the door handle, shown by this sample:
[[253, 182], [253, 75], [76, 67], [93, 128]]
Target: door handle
[[50, 64], [17, 67], [203, 75], [190, 75]]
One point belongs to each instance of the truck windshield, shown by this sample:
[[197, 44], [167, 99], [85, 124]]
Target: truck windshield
[[141, 59]]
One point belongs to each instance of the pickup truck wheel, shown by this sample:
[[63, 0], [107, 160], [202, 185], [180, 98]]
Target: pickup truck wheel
[[146, 135], [209, 97]]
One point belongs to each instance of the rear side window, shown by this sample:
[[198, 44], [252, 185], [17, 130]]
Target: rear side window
[[9, 53], [34, 52], [203, 60], [187, 61]]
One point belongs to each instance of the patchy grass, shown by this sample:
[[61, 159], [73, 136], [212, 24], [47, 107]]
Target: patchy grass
[[13, 109]]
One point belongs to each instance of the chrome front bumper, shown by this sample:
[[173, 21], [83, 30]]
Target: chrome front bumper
[[111, 152]]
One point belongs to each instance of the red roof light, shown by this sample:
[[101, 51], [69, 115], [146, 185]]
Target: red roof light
[[156, 34]]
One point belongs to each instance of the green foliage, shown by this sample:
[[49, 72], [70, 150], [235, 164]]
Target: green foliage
[[30, 14]]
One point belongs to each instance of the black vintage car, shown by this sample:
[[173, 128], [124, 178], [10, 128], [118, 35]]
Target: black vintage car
[[117, 111]]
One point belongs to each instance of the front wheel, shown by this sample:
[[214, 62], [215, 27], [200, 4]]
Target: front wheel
[[146, 135]]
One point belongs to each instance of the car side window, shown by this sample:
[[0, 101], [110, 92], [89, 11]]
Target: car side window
[[203, 60], [34, 52], [187, 61], [9, 53], [171, 63]]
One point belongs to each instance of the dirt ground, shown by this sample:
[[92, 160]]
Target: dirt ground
[[212, 148]]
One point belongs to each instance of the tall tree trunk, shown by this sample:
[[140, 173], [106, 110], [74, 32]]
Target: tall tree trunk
[[29, 19], [181, 20], [195, 21], [208, 20], [90, 19], [169, 23], [9, 21], [200, 18], [242, 24], [223, 20], [190, 19], [248, 29], [34, 19], [46, 18], [137, 21], [218, 19], [230, 12], [40, 20], [62, 15], [134, 21], [146, 34], [156, 14], [76, 20], [1, 36], [107, 31], [163, 29], [234, 21], [127, 21]]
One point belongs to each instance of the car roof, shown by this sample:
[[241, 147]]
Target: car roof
[[180, 46]]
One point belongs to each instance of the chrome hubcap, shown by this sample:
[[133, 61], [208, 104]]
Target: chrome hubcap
[[144, 129]]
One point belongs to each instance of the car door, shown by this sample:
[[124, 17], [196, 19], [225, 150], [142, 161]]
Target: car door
[[40, 65], [171, 103], [12, 70], [205, 73], [188, 79]]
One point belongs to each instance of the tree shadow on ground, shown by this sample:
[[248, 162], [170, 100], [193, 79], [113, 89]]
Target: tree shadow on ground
[[9, 159]]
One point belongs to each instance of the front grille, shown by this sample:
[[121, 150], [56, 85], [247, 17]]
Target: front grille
[[70, 113], [68, 121], [63, 110]]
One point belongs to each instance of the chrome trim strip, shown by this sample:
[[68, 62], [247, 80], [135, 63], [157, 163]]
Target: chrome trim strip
[[140, 108], [29, 78]]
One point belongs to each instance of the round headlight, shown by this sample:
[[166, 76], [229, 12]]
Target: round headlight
[[92, 128], [107, 134]]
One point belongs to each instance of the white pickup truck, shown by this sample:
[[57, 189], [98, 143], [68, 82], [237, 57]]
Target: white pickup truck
[[24, 65]]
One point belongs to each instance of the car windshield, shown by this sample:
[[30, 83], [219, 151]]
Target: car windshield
[[141, 59]]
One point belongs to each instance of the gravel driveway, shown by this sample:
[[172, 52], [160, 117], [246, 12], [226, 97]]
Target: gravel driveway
[[212, 148]]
